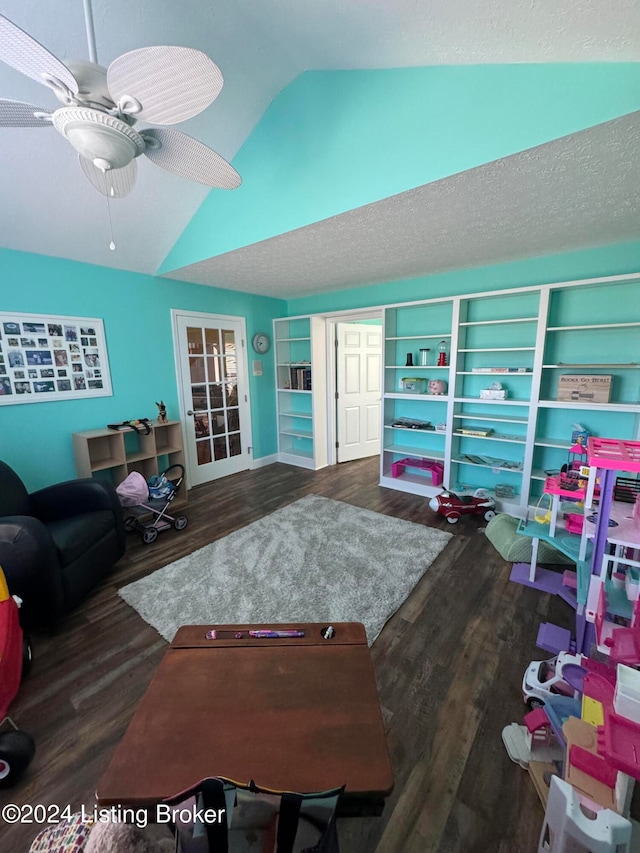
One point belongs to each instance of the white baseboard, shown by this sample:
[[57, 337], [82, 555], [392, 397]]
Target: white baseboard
[[264, 460]]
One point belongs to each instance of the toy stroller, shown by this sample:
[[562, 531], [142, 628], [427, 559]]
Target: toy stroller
[[155, 497]]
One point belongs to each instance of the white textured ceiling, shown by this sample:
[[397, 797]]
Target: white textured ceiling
[[537, 202], [48, 207]]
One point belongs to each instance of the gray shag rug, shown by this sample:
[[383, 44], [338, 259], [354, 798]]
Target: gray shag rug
[[316, 560]]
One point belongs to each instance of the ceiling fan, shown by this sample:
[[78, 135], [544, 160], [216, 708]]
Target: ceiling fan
[[101, 107]]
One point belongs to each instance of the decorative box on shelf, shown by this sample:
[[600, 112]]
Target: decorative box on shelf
[[580, 436], [493, 394], [587, 387], [413, 384]]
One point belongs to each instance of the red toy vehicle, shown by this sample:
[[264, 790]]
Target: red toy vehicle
[[453, 506], [16, 748]]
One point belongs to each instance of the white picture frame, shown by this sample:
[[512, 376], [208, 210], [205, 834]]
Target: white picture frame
[[45, 357]]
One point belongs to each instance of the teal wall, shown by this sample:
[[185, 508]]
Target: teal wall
[[333, 141], [35, 438], [330, 142], [618, 259]]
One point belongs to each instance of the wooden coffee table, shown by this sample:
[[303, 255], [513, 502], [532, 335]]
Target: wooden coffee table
[[299, 714]]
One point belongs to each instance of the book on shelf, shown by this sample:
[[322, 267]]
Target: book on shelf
[[483, 432], [492, 461], [411, 423], [501, 369], [300, 378]]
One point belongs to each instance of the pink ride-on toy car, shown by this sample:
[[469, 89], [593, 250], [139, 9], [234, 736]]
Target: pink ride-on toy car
[[452, 506], [16, 747]]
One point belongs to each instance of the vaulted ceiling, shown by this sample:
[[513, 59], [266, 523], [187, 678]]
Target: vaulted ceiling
[[48, 207]]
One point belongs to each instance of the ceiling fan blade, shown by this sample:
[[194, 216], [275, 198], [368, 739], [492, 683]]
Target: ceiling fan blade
[[176, 152], [19, 114], [171, 84], [116, 183], [28, 56]]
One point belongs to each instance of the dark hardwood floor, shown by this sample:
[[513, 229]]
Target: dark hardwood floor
[[449, 666]]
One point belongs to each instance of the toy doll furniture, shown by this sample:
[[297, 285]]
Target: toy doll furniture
[[57, 543], [567, 829], [502, 532]]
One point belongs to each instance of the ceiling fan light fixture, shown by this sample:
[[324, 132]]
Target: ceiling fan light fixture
[[100, 138]]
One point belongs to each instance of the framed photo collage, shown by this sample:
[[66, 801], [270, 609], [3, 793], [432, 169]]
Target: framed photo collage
[[51, 358]]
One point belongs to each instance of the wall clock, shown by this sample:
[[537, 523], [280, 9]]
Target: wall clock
[[261, 343]]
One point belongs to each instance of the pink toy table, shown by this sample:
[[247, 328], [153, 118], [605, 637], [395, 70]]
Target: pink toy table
[[436, 469]]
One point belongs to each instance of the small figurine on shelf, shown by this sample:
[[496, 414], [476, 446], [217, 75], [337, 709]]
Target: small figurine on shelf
[[443, 359], [162, 412], [579, 435], [437, 386]]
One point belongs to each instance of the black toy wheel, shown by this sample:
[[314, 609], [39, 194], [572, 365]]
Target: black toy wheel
[[533, 702], [150, 535], [180, 522], [16, 751], [489, 514], [130, 523], [27, 655]]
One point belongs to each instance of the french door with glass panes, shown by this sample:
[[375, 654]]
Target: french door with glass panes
[[214, 394]]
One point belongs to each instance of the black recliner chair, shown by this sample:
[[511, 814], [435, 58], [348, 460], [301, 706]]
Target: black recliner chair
[[57, 543]]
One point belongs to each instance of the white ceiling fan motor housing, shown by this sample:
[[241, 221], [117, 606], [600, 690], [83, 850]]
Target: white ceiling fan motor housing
[[92, 86], [105, 140]]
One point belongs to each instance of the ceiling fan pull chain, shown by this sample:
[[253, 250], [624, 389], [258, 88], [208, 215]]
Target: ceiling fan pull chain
[[112, 245], [91, 35]]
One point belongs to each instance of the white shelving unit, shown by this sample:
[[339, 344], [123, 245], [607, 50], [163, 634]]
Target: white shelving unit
[[300, 358], [543, 332], [423, 326]]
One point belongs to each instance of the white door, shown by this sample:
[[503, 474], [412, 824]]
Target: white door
[[214, 393], [358, 366]]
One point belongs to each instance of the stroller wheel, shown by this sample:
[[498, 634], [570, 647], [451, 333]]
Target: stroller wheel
[[180, 522], [16, 751], [130, 523], [150, 535]]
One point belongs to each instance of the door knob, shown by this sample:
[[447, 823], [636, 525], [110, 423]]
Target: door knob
[[191, 413]]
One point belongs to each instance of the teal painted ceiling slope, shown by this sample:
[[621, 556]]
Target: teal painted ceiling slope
[[334, 142]]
